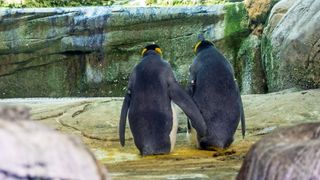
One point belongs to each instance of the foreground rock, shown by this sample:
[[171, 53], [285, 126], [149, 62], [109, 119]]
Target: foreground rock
[[89, 51], [291, 45], [30, 150], [96, 120], [290, 153]]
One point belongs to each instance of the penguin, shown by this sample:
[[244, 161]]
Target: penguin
[[214, 89], [152, 88]]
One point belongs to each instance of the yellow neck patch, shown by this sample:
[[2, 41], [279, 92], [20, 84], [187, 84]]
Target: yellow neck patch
[[143, 51], [196, 46], [158, 50]]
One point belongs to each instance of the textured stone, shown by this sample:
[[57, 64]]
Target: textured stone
[[30, 150], [290, 153], [291, 46], [90, 51], [258, 10], [277, 12]]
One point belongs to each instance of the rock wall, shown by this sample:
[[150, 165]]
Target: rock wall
[[282, 50], [249, 56], [91, 51], [291, 45]]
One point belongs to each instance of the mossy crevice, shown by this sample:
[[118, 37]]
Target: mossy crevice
[[253, 76], [269, 63], [235, 32]]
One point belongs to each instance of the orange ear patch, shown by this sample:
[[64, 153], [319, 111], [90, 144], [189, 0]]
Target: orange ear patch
[[158, 50]]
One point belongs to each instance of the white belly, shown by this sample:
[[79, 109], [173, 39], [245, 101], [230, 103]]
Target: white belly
[[173, 133]]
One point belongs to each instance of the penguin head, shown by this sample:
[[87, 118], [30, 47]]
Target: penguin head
[[154, 47], [202, 44]]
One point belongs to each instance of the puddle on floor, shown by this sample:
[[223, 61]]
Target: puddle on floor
[[114, 155], [185, 162]]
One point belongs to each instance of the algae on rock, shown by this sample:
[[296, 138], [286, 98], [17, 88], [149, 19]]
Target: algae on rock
[[253, 78], [90, 51], [236, 29]]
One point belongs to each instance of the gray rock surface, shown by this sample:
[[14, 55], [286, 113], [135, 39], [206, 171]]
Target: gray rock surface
[[289, 153], [31, 150], [90, 51], [277, 12], [291, 45]]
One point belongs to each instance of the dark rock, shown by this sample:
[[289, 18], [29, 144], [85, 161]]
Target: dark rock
[[290, 153]]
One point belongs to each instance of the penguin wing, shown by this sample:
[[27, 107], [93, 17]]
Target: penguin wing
[[185, 102], [125, 108], [190, 89], [191, 83], [243, 123], [123, 118], [242, 118]]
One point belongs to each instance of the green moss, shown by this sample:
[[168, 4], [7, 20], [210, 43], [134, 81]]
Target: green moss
[[74, 3], [62, 3], [269, 64], [57, 3], [186, 3], [236, 30], [253, 76], [236, 25]]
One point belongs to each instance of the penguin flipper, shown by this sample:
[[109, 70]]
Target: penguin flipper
[[242, 118], [123, 118], [190, 90], [243, 123], [185, 102]]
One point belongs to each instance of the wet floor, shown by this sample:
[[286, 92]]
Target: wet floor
[[185, 162]]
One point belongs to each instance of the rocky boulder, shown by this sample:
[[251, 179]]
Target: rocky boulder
[[290, 153], [291, 45], [30, 150], [90, 51], [277, 12]]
